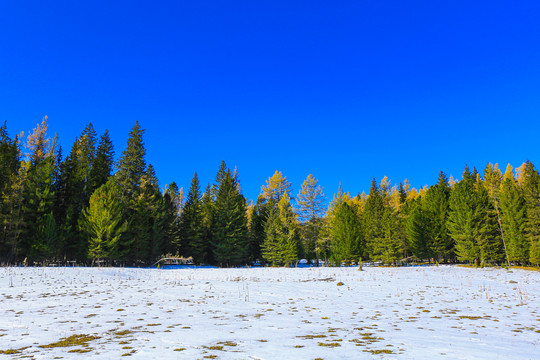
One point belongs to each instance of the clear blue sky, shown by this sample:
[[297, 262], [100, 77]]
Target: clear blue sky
[[345, 90]]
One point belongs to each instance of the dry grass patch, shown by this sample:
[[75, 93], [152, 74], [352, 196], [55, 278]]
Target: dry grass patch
[[73, 340]]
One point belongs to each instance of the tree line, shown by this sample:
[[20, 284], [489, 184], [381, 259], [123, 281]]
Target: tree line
[[86, 208]]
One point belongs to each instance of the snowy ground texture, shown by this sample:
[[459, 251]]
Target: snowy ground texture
[[264, 313]]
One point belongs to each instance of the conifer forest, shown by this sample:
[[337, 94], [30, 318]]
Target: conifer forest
[[83, 207]]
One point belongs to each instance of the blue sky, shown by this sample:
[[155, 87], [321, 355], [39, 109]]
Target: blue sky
[[345, 90]]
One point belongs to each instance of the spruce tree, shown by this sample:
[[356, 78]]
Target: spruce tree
[[9, 181], [9, 158], [135, 246], [270, 249], [530, 180], [146, 223], [229, 228], [132, 163], [346, 234], [258, 217], [172, 203], [472, 222], [102, 222], [73, 191], [372, 220], [463, 221], [389, 249], [208, 219], [435, 213], [419, 234], [191, 224], [489, 240], [513, 219], [103, 165]]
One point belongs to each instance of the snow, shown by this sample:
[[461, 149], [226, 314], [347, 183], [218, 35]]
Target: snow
[[272, 313]]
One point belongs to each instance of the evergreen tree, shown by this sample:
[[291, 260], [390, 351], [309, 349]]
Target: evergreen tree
[[102, 222], [9, 158], [489, 241], [220, 175], [132, 163], [9, 182], [208, 216], [530, 186], [138, 198], [463, 220], [258, 215], [372, 220], [435, 213], [172, 203], [419, 233], [191, 224], [472, 222], [103, 164], [73, 190], [86, 160], [346, 234], [389, 249], [229, 226], [146, 223], [270, 249], [47, 235], [290, 236], [513, 219]]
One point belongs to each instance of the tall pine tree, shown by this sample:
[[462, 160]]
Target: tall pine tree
[[513, 219], [191, 225], [530, 186], [435, 212], [346, 234]]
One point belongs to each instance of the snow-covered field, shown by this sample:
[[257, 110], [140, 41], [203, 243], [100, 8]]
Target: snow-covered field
[[265, 313]]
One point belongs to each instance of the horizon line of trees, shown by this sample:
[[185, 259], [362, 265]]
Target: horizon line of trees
[[85, 208]]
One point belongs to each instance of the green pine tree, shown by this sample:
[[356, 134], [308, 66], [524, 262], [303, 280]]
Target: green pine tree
[[73, 190], [372, 220], [229, 228], [513, 219], [208, 216], [103, 164], [132, 163], [419, 233], [489, 240], [191, 224], [10, 181], [102, 222], [257, 223], [346, 234], [472, 222], [435, 213], [530, 186], [172, 202], [463, 220]]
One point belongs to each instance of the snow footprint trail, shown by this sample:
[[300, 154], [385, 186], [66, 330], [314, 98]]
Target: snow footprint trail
[[268, 313]]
